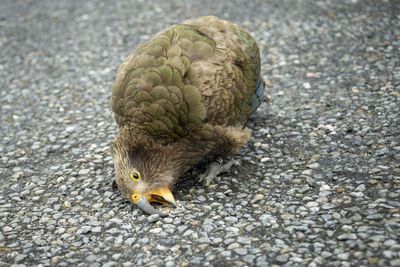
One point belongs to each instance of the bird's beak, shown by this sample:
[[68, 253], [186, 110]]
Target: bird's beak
[[162, 195]]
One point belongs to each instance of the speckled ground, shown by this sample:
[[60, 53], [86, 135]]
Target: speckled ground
[[317, 185]]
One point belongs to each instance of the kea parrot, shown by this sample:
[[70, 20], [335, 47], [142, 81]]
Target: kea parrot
[[183, 96]]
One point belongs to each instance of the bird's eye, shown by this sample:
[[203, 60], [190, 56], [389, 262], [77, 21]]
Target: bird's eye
[[135, 175]]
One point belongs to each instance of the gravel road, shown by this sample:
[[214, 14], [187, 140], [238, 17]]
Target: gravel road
[[317, 185]]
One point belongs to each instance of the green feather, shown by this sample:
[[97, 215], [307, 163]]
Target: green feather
[[193, 79]]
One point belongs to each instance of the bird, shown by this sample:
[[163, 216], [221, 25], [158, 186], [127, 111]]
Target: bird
[[180, 97]]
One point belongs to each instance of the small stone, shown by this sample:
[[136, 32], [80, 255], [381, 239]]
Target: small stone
[[361, 188], [226, 253], [231, 219], [156, 230], [130, 241], [395, 262], [84, 171], [228, 241], [283, 258], [116, 256], [84, 229], [241, 251], [233, 246], [244, 240], [153, 218], [182, 228], [259, 196], [20, 257], [347, 236], [202, 198], [143, 240], [110, 264], [287, 216], [249, 258], [375, 216], [18, 175], [312, 204], [357, 194], [390, 243], [286, 250], [388, 254], [217, 240], [188, 232], [204, 240], [326, 254], [343, 256], [325, 187], [313, 165], [96, 229], [91, 258], [168, 242], [97, 206], [265, 220]]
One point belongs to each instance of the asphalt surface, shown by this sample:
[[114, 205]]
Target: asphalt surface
[[317, 185]]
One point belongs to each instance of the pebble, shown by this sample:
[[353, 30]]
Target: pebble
[[20, 257], [306, 172], [156, 230], [343, 256], [244, 240], [282, 258], [313, 165], [84, 171], [395, 262], [231, 219], [306, 85], [241, 251], [67, 204], [347, 236], [91, 258], [312, 204], [130, 241], [249, 258], [153, 218]]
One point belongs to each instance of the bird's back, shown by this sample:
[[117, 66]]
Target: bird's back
[[234, 87], [205, 71]]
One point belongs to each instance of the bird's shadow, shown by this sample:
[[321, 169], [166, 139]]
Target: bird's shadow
[[190, 179]]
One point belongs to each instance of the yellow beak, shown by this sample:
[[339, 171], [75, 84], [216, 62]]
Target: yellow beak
[[161, 195]]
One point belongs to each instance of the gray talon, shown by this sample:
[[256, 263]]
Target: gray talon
[[213, 170]]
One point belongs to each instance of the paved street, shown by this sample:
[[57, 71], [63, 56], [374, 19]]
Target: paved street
[[317, 185]]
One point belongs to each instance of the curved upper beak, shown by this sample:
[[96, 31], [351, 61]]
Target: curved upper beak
[[162, 195]]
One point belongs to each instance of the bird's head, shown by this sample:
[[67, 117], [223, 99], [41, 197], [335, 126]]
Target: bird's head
[[143, 174]]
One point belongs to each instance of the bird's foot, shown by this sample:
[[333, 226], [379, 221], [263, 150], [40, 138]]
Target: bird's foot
[[213, 169]]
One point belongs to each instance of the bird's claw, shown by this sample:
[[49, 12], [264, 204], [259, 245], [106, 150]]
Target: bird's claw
[[213, 170]]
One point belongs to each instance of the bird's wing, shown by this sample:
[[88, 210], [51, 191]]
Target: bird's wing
[[202, 71], [230, 80], [151, 90]]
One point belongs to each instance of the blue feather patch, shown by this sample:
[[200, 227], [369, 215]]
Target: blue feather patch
[[258, 96]]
